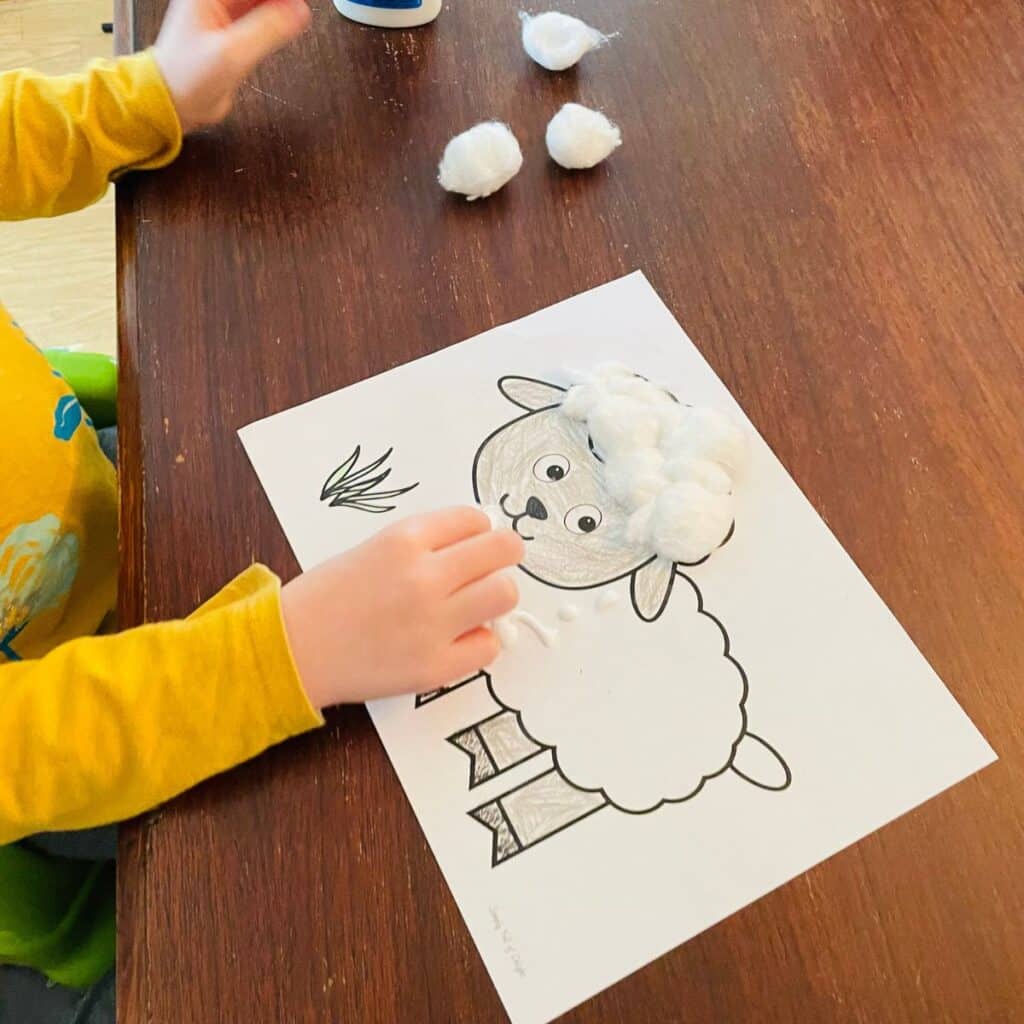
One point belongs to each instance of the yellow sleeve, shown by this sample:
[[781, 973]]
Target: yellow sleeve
[[104, 728], [62, 140]]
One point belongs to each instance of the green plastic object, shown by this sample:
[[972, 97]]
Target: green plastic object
[[93, 378], [57, 915]]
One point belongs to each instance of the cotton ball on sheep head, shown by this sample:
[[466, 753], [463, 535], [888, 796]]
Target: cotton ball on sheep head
[[684, 523], [671, 467], [559, 41], [480, 160], [708, 434], [636, 478], [579, 138]]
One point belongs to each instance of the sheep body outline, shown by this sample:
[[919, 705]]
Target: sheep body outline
[[652, 582]]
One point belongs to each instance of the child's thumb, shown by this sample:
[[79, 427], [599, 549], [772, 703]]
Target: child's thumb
[[264, 29]]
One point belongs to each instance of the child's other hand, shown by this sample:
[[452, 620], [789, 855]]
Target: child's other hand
[[406, 611], [207, 48]]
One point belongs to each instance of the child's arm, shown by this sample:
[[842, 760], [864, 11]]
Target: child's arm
[[62, 140], [104, 728]]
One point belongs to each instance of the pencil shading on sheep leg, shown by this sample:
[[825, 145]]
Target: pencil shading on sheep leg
[[494, 745], [533, 812]]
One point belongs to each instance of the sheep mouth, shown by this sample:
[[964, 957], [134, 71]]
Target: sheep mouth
[[516, 517]]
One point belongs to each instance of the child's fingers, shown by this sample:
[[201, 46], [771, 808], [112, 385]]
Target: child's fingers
[[236, 8], [480, 602], [479, 556], [472, 652], [265, 28], [437, 530]]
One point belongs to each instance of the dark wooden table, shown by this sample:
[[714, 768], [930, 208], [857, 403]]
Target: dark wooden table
[[828, 194]]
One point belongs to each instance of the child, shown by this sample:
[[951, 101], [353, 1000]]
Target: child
[[97, 729]]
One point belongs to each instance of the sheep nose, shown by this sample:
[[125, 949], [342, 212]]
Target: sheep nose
[[535, 509]]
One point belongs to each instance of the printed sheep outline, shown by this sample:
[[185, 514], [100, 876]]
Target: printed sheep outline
[[652, 583]]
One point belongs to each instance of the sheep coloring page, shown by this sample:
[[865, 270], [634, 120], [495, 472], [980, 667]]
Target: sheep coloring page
[[672, 730]]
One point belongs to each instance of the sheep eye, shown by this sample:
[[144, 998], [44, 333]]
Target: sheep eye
[[583, 519], [551, 468]]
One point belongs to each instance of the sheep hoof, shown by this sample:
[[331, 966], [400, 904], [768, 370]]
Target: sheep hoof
[[505, 844], [481, 764]]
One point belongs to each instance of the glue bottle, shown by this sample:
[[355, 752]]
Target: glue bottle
[[390, 13]]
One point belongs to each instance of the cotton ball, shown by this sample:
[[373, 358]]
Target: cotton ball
[[643, 391], [708, 434], [578, 402], [639, 527], [558, 41], [620, 380], [670, 466], [689, 522], [579, 138], [636, 478], [480, 160], [708, 474], [620, 424]]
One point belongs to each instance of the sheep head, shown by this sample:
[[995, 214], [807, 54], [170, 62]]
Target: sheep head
[[544, 474]]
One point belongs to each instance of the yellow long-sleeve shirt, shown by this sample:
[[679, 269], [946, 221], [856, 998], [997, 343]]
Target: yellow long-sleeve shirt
[[95, 729]]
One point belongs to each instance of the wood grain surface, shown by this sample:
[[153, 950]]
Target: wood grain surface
[[828, 194]]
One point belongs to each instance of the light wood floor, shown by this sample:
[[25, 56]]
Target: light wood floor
[[57, 276]]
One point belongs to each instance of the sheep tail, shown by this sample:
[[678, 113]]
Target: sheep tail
[[760, 764]]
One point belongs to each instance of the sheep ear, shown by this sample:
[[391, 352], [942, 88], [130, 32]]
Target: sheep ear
[[650, 587], [760, 764], [531, 394]]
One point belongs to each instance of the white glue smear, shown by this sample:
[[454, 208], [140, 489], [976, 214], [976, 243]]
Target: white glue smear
[[568, 613], [605, 600], [579, 138], [558, 41], [505, 627], [548, 637], [672, 466], [480, 161], [508, 631]]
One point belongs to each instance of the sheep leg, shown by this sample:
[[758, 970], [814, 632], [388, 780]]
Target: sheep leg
[[443, 691], [533, 812], [494, 745]]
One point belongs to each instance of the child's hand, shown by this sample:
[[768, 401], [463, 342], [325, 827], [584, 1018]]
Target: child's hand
[[406, 611], [207, 48]]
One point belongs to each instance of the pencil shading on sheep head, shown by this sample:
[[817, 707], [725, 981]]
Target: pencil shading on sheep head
[[541, 473]]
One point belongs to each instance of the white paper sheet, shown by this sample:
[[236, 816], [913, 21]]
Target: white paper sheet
[[583, 893]]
